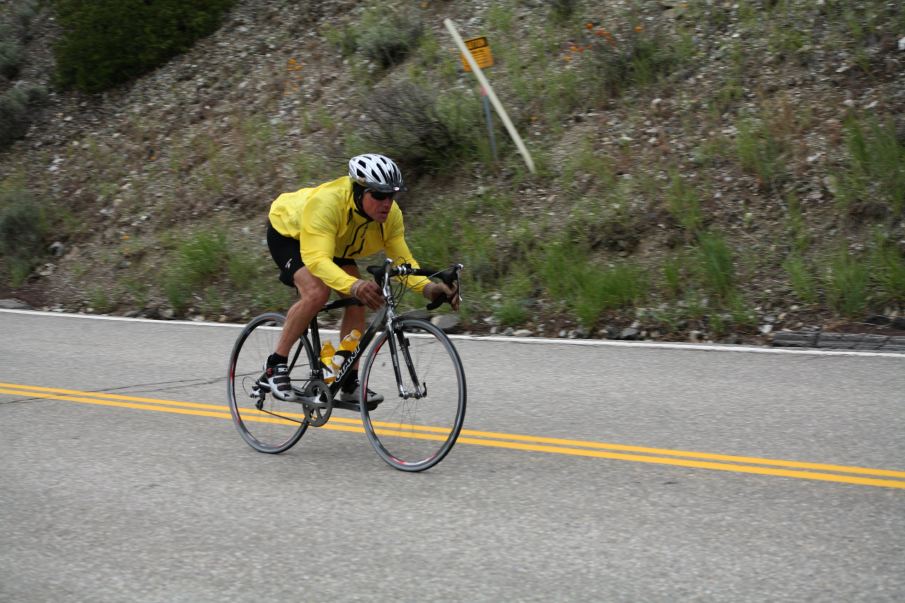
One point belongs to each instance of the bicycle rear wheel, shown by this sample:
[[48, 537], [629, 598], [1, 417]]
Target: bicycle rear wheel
[[414, 429], [267, 424]]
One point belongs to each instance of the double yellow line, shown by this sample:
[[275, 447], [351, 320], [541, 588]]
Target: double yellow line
[[863, 476]]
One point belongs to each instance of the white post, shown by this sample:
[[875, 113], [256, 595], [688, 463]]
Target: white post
[[513, 133]]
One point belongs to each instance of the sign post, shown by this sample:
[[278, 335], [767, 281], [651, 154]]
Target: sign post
[[489, 118], [472, 63], [480, 52]]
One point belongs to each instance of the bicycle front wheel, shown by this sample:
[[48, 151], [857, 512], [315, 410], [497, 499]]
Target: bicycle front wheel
[[265, 423], [417, 423]]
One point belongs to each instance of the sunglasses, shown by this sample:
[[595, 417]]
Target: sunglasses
[[380, 196]]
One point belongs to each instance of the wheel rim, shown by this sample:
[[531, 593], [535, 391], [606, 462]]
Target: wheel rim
[[414, 434], [267, 424]]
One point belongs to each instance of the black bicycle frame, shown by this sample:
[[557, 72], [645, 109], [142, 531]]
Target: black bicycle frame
[[317, 372], [315, 339]]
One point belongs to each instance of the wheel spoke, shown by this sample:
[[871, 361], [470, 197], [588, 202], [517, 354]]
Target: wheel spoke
[[267, 424], [414, 428]]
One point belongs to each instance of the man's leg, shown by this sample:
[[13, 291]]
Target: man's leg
[[353, 316], [313, 294]]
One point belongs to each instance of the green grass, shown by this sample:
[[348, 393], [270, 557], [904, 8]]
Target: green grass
[[588, 289], [887, 269], [198, 260], [802, 279], [606, 289], [586, 162], [762, 153], [715, 262], [683, 204], [674, 276], [517, 293], [876, 166], [847, 284], [102, 300], [796, 226], [501, 17], [455, 232]]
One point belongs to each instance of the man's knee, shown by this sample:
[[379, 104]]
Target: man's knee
[[312, 290]]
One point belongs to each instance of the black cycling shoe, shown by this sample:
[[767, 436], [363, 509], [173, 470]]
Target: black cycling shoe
[[277, 379], [352, 396]]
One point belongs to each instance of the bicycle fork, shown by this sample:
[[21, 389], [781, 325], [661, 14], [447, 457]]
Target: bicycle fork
[[402, 346]]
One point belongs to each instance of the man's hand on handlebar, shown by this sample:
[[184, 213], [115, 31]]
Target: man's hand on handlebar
[[368, 292], [438, 290]]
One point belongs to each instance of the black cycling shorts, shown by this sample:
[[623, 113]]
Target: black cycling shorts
[[287, 254]]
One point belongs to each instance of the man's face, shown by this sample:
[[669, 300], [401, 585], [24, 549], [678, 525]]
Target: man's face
[[377, 209]]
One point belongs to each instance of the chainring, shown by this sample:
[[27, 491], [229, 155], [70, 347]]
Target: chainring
[[318, 403]]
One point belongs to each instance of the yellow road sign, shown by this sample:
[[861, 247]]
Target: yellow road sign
[[480, 50]]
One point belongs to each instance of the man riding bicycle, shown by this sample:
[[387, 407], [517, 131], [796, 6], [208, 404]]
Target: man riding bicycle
[[316, 234]]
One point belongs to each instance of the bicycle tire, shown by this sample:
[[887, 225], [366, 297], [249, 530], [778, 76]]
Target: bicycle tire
[[414, 434], [265, 423]]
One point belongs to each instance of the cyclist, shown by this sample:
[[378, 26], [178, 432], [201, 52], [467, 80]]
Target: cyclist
[[315, 235]]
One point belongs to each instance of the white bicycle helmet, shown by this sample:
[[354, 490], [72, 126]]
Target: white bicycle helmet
[[376, 172]]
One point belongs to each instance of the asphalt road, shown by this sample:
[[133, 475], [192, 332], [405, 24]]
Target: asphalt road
[[587, 473]]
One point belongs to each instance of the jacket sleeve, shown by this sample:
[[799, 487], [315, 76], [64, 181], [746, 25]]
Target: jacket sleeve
[[320, 223], [398, 251]]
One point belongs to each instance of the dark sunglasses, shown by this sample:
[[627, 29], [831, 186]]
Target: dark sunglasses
[[380, 196]]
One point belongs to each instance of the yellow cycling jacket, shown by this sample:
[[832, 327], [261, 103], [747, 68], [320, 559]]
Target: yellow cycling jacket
[[327, 225]]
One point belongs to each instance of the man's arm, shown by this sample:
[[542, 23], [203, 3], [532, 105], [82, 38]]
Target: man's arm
[[398, 251], [317, 241], [317, 254]]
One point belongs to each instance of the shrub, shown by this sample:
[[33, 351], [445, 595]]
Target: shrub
[[108, 42], [16, 105], [22, 231], [420, 130], [13, 115], [14, 32], [10, 56], [387, 38], [638, 57], [562, 10]]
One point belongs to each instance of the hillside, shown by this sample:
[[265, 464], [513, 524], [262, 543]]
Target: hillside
[[706, 170]]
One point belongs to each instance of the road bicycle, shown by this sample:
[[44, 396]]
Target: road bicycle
[[407, 360]]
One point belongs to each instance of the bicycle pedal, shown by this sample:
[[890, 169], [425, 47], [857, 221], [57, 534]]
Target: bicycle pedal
[[354, 406], [337, 403]]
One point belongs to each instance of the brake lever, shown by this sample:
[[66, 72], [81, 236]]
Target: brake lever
[[448, 276]]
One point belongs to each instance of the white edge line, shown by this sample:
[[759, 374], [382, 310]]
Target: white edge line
[[508, 339]]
